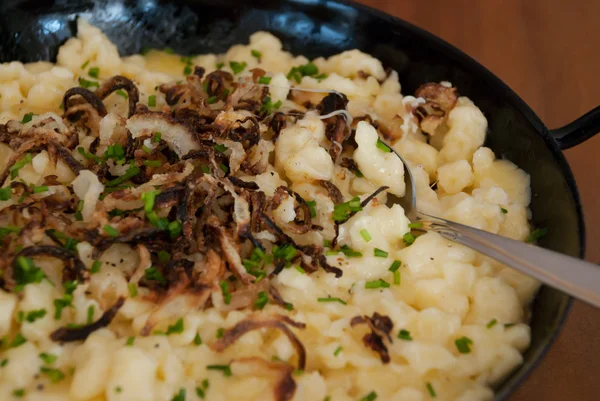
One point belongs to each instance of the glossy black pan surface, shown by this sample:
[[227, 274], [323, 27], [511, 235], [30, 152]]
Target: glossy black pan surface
[[33, 30]]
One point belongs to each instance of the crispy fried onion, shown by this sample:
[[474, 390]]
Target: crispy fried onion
[[87, 96], [55, 151], [48, 126], [239, 126], [285, 386], [364, 203], [302, 220], [381, 326], [70, 334], [179, 138], [188, 290], [120, 82], [256, 322], [74, 267], [439, 101]]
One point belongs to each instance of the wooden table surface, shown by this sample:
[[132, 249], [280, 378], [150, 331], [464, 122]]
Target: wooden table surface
[[548, 51]]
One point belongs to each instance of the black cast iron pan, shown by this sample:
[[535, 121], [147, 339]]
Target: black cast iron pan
[[33, 30]]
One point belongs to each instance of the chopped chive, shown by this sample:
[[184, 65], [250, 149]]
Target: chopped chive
[[27, 118], [320, 77], [180, 396], [503, 210], [223, 368], [200, 393], [111, 231], [148, 198], [187, 70], [26, 272], [262, 300], [96, 267], [237, 67], [220, 148], [89, 156], [94, 72], [432, 392], [491, 323], [48, 359], [54, 375], [264, 80], [152, 101], [369, 397], [337, 351], [153, 274], [211, 100], [34, 315], [197, 339], [256, 53], [349, 252], [296, 73], [405, 335], [415, 225], [152, 163], [78, 210], [220, 332], [18, 341], [85, 64], [332, 299], [14, 169], [343, 210], [312, 208], [397, 277], [3, 362], [164, 257], [174, 228], [220, 65], [365, 234], [537, 234], [286, 252], [300, 269], [225, 290], [508, 325], [380, 253], [90, 314], [288, 306], [463, 344], [130, 341], [18, 393], [377, 284], [5, 193], [408, 238], [157, 137], [133, 291], [382, 146], [175, 328], [87, 84], [395, 265], [40, 189], [224, 168], [131, 172]]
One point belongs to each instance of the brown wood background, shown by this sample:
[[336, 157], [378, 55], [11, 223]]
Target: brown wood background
[[548, 51]]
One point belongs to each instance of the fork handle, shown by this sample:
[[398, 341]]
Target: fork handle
[[574, 276]]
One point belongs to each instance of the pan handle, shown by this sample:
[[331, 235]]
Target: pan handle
[[578, 131]]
